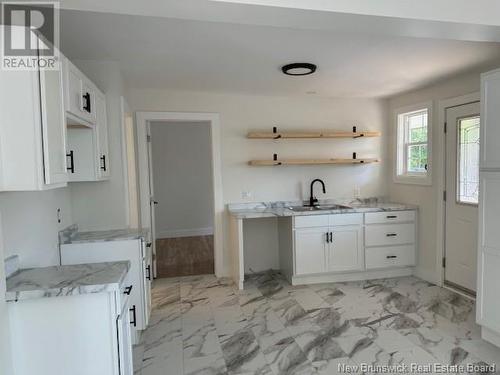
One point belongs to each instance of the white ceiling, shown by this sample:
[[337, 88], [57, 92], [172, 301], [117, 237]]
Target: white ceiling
[[214, 56]]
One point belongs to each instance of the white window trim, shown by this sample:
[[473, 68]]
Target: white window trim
[[413, 179]]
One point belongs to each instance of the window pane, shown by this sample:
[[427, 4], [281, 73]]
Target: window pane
[[468, 160], [417, 127], [417, 158]]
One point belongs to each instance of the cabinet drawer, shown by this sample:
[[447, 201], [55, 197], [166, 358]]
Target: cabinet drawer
[[310, 221], [385, 257], [389, 217], [383, 234], [346, 219]]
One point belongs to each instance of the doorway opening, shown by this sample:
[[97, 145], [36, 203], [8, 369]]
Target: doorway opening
[[182, 189], [147, 198], [461, 196]]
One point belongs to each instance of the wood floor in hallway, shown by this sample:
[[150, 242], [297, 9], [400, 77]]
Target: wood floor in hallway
[[185, 256]]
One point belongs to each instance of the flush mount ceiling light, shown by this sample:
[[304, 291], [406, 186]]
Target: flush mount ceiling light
[[298, 69]]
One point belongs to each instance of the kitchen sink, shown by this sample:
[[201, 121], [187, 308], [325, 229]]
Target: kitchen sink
[[318, 208]]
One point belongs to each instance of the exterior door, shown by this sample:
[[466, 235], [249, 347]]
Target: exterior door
[[310, 250], [462, 191]]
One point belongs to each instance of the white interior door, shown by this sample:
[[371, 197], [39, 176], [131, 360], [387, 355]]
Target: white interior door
[[462, 190], [152, 202]]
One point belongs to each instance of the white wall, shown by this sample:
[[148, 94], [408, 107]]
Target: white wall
[[182, 175], [30, 227], [428, 197], [242, 113], [102, 205]]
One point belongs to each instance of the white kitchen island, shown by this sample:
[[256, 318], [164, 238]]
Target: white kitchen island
[[363, 241]]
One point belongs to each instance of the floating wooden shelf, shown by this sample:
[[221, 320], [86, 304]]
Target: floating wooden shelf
[[306, 135], [310, 162]]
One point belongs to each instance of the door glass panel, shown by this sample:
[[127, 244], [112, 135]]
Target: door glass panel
[[468, 160]]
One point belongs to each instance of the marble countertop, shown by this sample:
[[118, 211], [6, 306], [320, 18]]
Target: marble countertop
[[68, 280], [72, 235], [282, 209]]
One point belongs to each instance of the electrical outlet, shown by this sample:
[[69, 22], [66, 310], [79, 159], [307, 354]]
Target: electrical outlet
[[246, 194]]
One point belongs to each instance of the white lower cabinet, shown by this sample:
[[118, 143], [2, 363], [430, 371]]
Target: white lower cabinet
[[389, 256], [328, 249], [78, 335], [353, 242], [140, 275]]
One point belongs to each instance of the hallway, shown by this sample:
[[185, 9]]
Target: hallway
[[201, 325]]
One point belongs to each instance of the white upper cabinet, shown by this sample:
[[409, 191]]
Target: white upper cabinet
[[32, 130], [87, 136], [490, 120], [103, 171], [80, 94]]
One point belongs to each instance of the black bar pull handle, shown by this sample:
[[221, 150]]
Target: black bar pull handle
[[149, 244], [134, 316], [327, 237], [71, 156], [103, 162], [148, 274], [391, 256], [331, 237], [392, 216], [86, 105], [128, 290], [391, 234]]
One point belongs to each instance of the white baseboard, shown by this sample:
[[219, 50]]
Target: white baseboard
[[427, 275], [490, 336], [173, 233], [351, 276]]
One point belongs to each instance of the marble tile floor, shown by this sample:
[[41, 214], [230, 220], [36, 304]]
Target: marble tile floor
[[203, 325]]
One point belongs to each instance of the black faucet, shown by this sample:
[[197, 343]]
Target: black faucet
[[313, 201]]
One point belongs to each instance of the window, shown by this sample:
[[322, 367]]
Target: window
[[413, 145], [468, 160]]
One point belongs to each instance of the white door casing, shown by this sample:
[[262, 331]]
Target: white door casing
[[461, 218], [222, 268]]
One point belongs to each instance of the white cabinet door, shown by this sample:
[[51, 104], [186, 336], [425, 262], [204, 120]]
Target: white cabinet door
[[488, 310], [310, 250], [53, 127], [79, 95], [124, 342], [490, 120], [32, 131], [82, 151], [102, 136], [345, 251]]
